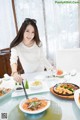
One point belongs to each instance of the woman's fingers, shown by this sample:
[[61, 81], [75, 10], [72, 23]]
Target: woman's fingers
[[18, 78]]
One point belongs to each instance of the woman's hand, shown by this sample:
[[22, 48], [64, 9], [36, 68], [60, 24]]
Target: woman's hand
[[17, 77]]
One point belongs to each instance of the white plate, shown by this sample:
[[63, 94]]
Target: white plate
[[31, 91], [7, 84], [33, 112], [60, 75], [35, 87], [55, 75], [5, 95], [76, 96]]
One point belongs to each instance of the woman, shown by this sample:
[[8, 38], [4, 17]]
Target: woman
[[28, 48]]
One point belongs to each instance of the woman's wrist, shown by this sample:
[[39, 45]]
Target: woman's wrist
[[13, 73]]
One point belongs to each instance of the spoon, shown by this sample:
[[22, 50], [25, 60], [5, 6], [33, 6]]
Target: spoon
[[26, 95]]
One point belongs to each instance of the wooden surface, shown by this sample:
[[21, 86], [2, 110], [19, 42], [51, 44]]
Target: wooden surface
[[71, 97], [5, 63]]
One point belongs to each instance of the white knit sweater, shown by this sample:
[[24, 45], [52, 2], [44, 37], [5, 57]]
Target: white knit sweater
[[32, 58]]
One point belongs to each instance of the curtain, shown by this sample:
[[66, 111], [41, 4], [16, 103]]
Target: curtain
[[62, 26], [57, 23], [7, 26], [31, 9]]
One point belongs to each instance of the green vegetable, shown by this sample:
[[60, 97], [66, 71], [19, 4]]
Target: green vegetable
[[15, 83], [34, 105], [65, 87], [19, 83], [26, 85], [71, 89]]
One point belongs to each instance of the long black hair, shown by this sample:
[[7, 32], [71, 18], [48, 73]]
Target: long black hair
[[18, 39]]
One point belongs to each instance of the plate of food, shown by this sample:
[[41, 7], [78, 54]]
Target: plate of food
[[34, 105], [6, 88], [4, 92], [37, 84], [64, 90], [53, 112], [77, 97], [60, 73]]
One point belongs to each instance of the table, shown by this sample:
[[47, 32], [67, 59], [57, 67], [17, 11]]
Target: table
[[70, 111]]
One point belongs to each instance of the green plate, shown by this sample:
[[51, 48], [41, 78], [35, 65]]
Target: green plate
[[54, 112]]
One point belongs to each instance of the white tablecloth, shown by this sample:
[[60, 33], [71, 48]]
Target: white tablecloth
[[70, 111]]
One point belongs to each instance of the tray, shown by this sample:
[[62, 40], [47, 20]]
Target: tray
[[63, 96], [54, 112], [32, 91]]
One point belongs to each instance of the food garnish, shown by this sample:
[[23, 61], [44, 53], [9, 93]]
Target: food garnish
[[26, 85], [36, 83], [65, 88], [59, 72], [34, 104]]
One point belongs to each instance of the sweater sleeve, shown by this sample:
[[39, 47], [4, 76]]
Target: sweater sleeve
[[14, 56], [45, 61]]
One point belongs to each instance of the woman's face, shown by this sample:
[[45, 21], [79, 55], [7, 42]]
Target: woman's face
[[29, 34]]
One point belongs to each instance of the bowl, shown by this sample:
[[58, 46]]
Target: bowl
[[36, 85], [40, 105], [77, 97]]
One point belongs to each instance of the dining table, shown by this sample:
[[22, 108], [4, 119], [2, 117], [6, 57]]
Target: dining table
[[68, 108]]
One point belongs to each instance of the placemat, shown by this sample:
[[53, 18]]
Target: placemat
[[54, 112]]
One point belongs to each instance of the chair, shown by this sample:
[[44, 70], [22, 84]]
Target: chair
[[68, 59], [5, 63]]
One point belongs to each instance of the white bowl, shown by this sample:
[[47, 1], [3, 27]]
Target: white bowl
[[36, 86], [76, 97], [36, 111]]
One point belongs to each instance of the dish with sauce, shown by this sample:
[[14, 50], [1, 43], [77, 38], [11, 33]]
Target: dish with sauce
[[34, 105], [65, 89]]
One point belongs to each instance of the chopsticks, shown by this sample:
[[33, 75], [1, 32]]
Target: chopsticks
[[26, 95]]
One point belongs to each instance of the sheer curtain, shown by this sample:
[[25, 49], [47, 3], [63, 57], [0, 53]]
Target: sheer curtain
[[57, 23], [62, 26], [31, 9], [61, 22], [7, 26]]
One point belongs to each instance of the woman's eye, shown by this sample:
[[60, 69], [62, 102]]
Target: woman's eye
[[33, 32], [27, 31]]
